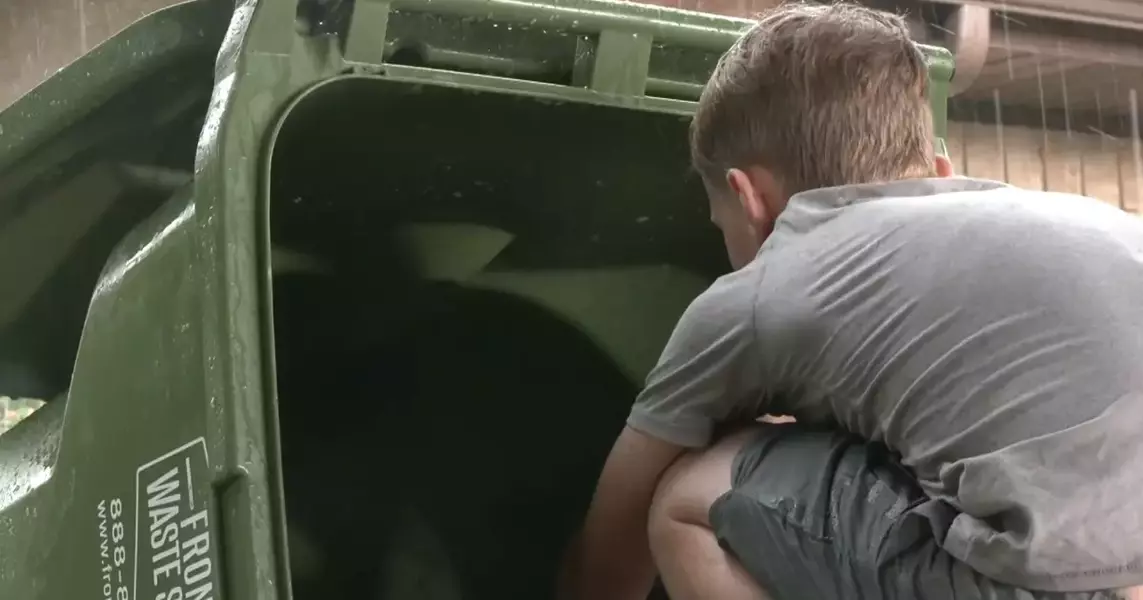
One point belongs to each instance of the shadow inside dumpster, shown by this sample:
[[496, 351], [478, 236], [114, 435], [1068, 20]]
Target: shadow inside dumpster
[[464, 310]]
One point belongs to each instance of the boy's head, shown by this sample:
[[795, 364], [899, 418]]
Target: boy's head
[[812, 96]]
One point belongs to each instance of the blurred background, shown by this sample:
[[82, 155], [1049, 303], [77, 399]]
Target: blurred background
[[13, 411], [1046, 92]]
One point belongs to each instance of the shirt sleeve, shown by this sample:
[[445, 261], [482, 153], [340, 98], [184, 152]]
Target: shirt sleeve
[[708, 366]]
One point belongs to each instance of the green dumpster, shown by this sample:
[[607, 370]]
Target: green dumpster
[[337, 299]]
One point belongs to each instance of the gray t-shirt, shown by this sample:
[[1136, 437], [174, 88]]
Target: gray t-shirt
[[992, 336]]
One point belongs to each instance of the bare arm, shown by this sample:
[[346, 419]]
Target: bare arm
[[707, 367], [611, 558]]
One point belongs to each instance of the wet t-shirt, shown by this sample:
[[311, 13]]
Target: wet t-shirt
[[992, 336]]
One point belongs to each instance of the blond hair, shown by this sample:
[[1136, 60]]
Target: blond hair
[[821, 95]]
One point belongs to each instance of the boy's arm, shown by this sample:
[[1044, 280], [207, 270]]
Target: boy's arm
[[610, 558], [708, 366]]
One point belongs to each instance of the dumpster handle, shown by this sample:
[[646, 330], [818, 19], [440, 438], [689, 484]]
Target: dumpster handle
[[615, 42]]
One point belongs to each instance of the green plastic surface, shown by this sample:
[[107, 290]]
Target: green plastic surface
[[441, 183]]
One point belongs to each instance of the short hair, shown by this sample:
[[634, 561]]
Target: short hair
[[821, 95]]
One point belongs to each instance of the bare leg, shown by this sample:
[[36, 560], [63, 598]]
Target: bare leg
[[691, 563]]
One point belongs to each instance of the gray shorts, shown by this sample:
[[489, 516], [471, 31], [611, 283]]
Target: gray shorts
[[823, 515]]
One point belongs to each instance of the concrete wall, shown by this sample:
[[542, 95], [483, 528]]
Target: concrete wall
[[39, 37]]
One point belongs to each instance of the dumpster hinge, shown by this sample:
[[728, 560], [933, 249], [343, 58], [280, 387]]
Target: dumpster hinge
[[365, 42], [615, 63]]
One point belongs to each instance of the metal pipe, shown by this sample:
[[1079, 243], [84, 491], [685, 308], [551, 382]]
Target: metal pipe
[[970, 28]]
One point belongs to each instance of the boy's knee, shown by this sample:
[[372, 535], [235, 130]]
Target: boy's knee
[[675, 511], [670, 494], [692, 484]]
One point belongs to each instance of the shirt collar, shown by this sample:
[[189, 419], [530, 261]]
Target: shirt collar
[[846, 195], [809, 209]]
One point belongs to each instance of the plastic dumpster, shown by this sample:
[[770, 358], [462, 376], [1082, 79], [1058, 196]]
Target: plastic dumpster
[[351, 297]]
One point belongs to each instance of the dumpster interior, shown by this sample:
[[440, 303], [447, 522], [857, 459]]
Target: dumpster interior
[[468, 288]]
